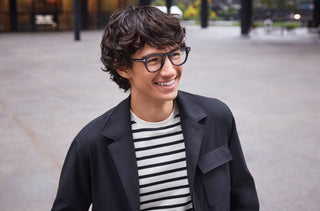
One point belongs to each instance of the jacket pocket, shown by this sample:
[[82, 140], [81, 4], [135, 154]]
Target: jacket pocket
[[215, 174]]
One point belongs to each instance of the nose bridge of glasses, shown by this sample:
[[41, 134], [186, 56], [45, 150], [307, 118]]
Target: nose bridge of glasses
[[168, 63], [167, 56], [173, 58]]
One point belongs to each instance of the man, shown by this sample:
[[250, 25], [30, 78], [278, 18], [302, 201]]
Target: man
[[159, 149]]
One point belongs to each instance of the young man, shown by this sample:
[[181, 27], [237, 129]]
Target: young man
[[159, 149]]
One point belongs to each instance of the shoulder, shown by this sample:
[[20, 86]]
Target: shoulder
[[96, 125], [94, 133], [212, 112], [90, 133], [211, 106]]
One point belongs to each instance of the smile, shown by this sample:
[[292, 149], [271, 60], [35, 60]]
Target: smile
[[168, 83]]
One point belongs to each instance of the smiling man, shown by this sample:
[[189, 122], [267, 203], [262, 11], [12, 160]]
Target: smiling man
[[161, 148]]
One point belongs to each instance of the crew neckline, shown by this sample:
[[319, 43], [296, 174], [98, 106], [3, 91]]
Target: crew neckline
[[155, 124]]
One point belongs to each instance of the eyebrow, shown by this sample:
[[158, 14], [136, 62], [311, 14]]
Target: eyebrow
[[149, 54], [154, 54]]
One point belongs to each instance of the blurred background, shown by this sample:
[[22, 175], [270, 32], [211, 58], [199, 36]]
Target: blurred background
[[46, 15], [260, 57]]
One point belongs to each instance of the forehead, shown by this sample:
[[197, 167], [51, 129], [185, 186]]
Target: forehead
[[147, 50]]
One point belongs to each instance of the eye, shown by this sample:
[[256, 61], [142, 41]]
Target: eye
[[176, 54], [154, 60]]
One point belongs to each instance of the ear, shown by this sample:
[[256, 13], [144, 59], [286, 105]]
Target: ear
[[123, 72]]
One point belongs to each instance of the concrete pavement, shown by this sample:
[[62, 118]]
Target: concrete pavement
[[51, 86]]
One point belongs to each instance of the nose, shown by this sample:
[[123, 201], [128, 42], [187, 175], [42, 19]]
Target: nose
[[168, 69]]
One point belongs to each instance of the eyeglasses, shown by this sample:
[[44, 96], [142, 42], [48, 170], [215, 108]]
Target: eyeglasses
[[154, 62]]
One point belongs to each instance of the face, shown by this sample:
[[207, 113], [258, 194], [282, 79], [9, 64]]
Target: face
[[158, 87]]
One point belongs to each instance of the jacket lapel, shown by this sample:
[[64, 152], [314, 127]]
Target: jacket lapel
[[118, 128], [191, 115]]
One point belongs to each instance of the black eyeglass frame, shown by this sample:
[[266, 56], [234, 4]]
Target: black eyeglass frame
[[163, 55]]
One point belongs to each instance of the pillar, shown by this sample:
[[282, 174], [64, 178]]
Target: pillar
[[76, 20], [145, 2], [316, 12], [169, 4], [13, 15], [245, 16], [204, 13]]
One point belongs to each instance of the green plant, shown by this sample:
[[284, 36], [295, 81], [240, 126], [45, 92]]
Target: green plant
[[193, 11], [159, 3]]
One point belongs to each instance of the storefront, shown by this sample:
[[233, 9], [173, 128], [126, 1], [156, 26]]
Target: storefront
[[48, 15]]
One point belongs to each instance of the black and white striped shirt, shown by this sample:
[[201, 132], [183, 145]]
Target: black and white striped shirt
[[161, 161]]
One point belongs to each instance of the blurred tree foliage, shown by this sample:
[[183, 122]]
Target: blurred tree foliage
[[193, 10], [277, 4], [159, 3], [227, 14]]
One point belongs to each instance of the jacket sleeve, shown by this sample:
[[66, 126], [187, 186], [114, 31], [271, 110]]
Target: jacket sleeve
[[74, 192], [243, 192]]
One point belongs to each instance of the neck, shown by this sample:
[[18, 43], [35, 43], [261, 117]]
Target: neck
[[151, 111]]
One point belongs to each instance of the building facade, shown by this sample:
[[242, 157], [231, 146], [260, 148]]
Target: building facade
[[47, 15]]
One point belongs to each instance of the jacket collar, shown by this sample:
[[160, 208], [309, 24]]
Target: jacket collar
[[193, 129], [118, 128]]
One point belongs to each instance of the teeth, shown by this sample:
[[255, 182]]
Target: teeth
[[169, 83]]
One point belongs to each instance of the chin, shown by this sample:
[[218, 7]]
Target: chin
[[171, 96]]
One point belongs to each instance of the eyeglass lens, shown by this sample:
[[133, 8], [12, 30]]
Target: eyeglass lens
[[177, 57]]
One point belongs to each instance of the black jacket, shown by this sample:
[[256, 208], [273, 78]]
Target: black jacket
[[100, 167]]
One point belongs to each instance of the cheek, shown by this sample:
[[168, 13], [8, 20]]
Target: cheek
[[143, 79], [180, 70]]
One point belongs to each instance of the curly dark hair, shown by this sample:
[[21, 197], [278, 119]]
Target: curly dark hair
[[129, 30]]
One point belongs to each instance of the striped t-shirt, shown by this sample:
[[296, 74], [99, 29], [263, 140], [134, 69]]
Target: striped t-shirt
[[161, 160]]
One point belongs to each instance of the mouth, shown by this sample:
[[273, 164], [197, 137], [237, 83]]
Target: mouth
[[166, 83]]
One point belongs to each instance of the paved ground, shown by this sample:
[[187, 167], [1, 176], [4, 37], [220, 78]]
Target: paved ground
[[51, 86]]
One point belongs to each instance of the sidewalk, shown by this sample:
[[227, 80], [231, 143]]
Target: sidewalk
[[51, 86]]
